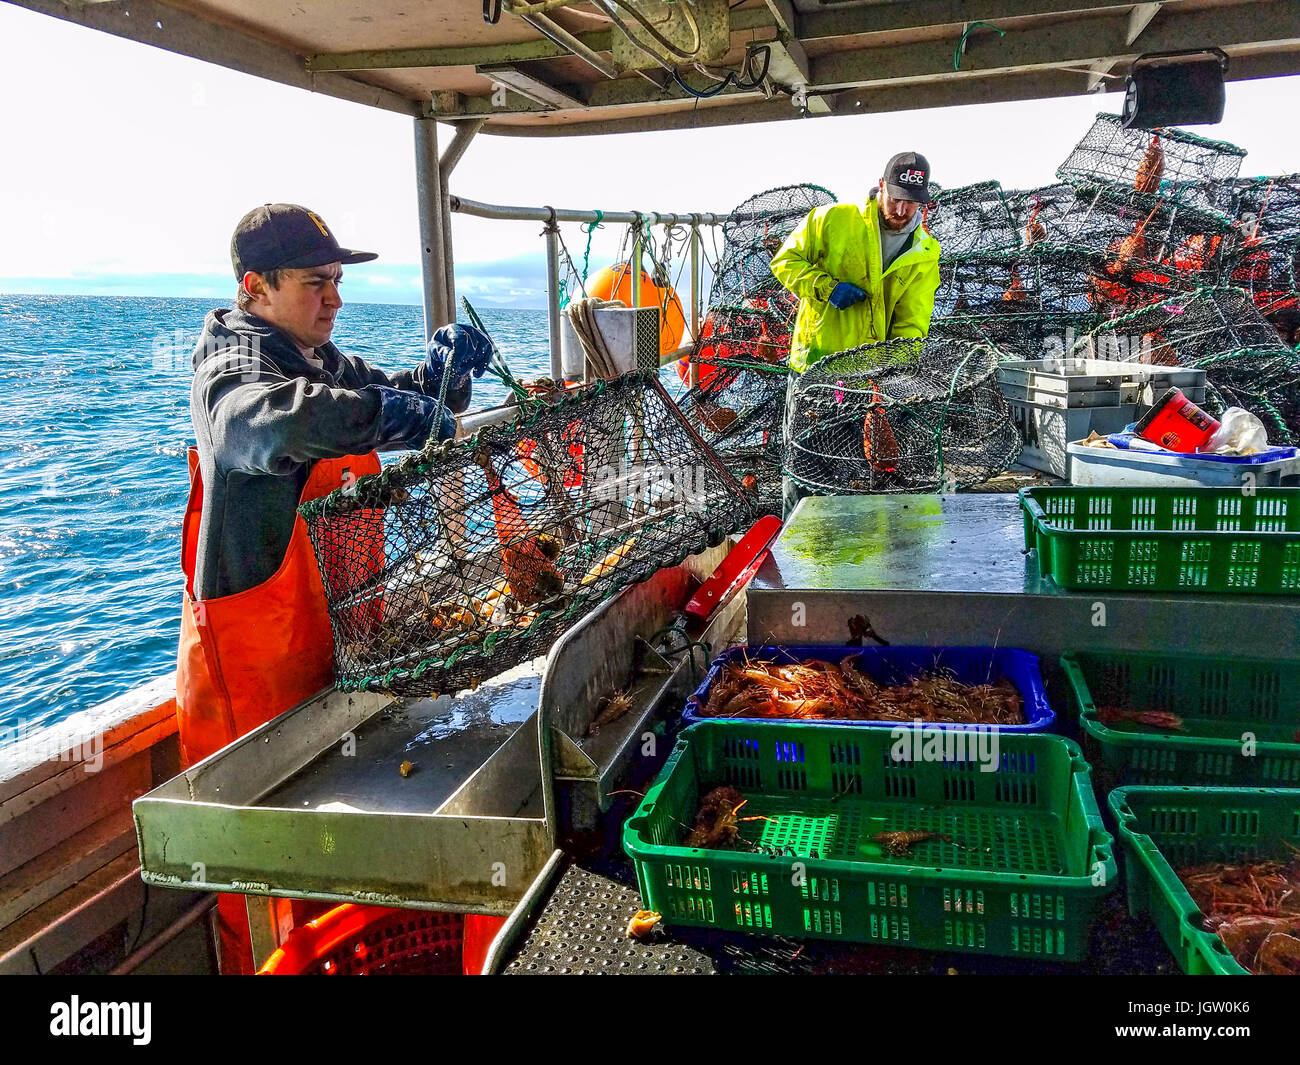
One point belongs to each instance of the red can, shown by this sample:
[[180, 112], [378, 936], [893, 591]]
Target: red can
[[1176, 423]]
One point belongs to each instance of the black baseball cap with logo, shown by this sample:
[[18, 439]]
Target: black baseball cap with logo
[[907, 177], [284, 236]]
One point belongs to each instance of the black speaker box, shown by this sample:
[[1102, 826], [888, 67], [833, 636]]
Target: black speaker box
[[1175, 90]]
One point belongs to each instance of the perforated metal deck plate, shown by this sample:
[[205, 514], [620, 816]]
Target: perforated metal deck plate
[[582, 931]]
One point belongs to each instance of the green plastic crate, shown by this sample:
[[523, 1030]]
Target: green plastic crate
[[1028, 863], [1222, 701], [1167, 828], [1209, 540]]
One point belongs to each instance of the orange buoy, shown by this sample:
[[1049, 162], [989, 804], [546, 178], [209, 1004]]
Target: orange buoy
[[615, 283]]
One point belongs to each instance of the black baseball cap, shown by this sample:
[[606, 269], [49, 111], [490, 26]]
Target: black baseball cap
[[284, 236], [907, 177]]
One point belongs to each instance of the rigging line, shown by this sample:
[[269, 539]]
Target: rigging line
[[568, 260], [747, 83]]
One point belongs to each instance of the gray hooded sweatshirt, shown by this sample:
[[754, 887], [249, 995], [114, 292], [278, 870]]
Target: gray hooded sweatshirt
[[262, 416]]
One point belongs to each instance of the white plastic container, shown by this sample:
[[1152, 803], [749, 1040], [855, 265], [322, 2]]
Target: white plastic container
[[1116, 468], [631, 336]]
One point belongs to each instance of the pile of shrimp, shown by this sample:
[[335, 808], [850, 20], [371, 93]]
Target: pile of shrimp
[[1254, 908], [826, 691]]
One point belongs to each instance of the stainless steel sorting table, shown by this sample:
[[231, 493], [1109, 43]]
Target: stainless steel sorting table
[[953, 570]]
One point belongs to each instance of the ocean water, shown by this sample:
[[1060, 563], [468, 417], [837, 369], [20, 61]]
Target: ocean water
[[94, 426]]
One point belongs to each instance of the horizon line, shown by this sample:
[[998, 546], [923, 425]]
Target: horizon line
[[139, 296]]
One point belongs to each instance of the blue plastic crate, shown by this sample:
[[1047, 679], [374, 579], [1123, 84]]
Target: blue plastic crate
[[897, 665]]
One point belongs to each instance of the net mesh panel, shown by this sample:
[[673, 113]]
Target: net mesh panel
[[900, 416], [754, 232], [739, 405], [747, 281], [466, 560], [1267, 208], [1264, 264], [739, 411], [1218, 330], [744, 342], [1049, 281], [766, 219], [1126, 229], [1022, 336], [972, 220], [1170, 163]]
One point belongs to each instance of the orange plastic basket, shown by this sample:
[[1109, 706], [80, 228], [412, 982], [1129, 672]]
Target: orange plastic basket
[[353, 940]]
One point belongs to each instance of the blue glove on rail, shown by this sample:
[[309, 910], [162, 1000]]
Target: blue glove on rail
[[469, 349], [845, 295], [410, 418]]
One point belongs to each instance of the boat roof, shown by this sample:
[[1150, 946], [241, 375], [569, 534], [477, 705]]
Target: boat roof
[[563, 68]]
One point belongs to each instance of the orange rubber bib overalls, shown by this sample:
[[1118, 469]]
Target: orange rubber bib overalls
[[248, 657]]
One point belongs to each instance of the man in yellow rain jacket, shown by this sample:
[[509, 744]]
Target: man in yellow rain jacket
[[862, 274]]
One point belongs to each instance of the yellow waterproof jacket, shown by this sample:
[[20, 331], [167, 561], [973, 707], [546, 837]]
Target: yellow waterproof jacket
[[842, 243]]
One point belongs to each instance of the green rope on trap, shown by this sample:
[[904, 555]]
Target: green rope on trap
[[497, 366], [590, 228]]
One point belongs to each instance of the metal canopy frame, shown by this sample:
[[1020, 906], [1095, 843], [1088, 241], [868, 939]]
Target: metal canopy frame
[[549, 74], [545, 72]]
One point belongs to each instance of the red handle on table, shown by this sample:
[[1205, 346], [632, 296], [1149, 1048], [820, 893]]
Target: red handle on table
[[741, 564]]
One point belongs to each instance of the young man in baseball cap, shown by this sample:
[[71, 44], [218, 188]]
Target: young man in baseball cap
[[272, 395], [281, 416], [862, 273]]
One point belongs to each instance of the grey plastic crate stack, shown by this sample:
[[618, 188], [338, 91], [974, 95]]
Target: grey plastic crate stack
[[1055, 402]]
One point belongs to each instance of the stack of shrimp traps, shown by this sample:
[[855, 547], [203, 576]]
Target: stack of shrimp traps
[[1135, 216], [739, 357], [470, 558], [1222, 331], [900, 416], [1268, 218], [1149, 238]]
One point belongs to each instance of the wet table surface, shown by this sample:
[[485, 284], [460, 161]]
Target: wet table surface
[[914, 543]]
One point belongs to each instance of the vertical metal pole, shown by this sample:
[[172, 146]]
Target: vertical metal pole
[[553, 297], [635, 264], [693, 377], [448, 254], [433, 252], [465, 132]]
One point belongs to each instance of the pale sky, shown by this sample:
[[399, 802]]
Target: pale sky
[[126, 168]]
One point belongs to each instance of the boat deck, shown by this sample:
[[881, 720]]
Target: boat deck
[[582, 930]]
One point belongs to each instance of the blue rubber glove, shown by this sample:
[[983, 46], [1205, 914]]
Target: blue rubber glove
[[470, 351], [410, 418], [845, 295]]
